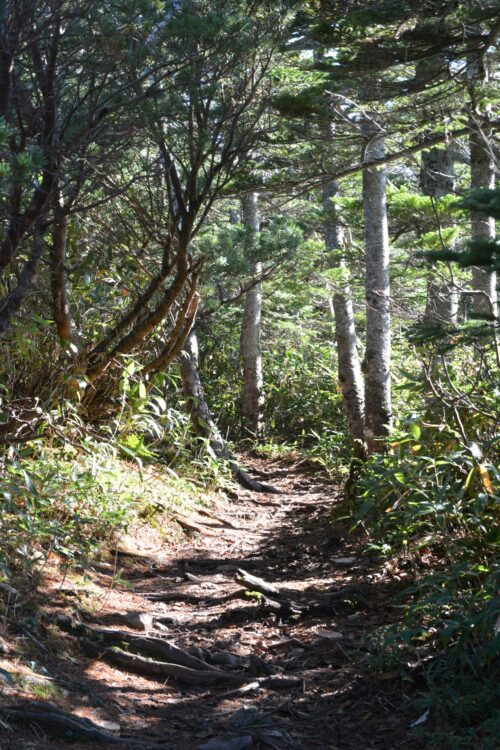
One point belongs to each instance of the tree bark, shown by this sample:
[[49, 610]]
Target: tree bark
[[252, 397], [377, 363], [144, 326], [442, 302], [482, 227], [482, 168], [349, 367], [437, 179], [13, 301], [177, 337], [60, 302]]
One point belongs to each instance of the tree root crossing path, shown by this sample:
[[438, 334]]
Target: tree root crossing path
[[253, 629]]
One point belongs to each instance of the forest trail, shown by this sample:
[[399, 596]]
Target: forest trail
[[284, 668]]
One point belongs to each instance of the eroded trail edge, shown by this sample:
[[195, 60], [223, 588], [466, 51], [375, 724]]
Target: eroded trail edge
[[251, 632]]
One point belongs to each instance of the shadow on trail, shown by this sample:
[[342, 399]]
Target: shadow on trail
[[338, 704]]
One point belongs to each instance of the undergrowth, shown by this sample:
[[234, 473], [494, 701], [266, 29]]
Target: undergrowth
[[69, 501], [430, 509]]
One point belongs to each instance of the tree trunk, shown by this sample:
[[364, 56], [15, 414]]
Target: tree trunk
[[482, 168], [252, 397], [442, 302], [60, 302], [10, 306], [201, 418], [179, 333], [144, 326], [349, 368], [437, 179], [377, 363], [482, 227]]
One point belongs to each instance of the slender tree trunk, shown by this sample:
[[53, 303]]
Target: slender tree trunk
[[60, 302], [144, 326], [178, 335], [201, 418], [349, 368], [482, 227], [252, 397], [200, 415], [482, 167], [377, 363], [11, 304], [437, 179], [442, 302]]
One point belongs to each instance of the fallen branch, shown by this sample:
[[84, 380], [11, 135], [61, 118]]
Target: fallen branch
[[268, 683], [253, 583], [280, 606]]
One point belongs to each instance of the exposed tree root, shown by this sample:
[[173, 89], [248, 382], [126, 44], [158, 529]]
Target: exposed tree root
[[246, 481], [181, 666], [147, 645], [202, 420], [46, 715], [219, 519], [192, 527], [149, 667]]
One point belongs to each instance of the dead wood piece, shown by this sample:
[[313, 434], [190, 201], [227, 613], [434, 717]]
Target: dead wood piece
[[284, 608], [52, 717], [243, 690], [255, 584], [269, 683], [152, 668], [170, 596], [147, 645], [279, 683]]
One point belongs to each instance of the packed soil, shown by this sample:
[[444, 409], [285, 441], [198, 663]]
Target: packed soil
[[292, 664]]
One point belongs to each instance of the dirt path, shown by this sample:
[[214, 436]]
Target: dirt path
[[296, 659]]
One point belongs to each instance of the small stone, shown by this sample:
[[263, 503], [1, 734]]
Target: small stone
[[139, 620]]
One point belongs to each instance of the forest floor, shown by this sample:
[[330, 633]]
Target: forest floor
[[286, 669]]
